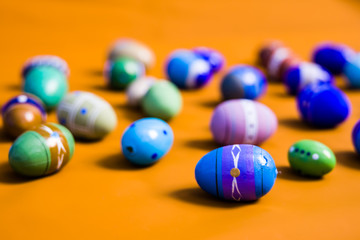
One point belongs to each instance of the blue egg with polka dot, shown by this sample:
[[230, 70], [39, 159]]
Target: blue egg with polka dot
[[147, 140], [188, 70], [243, 81], [322, 105]]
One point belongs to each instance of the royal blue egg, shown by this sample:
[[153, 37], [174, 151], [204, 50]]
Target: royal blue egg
[[213, 57], [332, 56], [236, 172], [352, 71], [323, 105], [188, 70], [356, 137], [303, 74], [147, 140], [243, 81]]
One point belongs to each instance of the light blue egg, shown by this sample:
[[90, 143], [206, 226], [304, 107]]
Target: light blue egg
[[147, 140], [352, 71]]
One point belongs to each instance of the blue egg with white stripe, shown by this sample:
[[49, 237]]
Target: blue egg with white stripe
[[146, 141], [352, 71], [323, 105], [239, 172], [188, 70], [213, 57], [303, 74], [356, 137], [243, 81]]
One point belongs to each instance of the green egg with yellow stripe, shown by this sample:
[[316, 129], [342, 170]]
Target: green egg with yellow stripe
[[42, 151]]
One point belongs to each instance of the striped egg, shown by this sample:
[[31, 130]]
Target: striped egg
[[213, 57], [22, 113], [46, 60], [303, 74], [242, 121], [131, 48], [243, 81], [236, 172], [42, 151], [137, 90], [188, 70], [86, 115]]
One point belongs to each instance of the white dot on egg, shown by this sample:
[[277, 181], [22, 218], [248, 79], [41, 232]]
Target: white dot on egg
[[22, 98], [315, 156], [249, 78], [292, 148]]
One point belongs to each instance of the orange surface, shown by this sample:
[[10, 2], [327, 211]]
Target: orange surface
[[98, 195]]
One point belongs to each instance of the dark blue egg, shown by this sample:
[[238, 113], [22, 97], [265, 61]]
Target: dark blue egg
[[188, 70], [213, 57], [332, 57], [303, 74], [323, 105], [356, 137], [147, 140], [243, 81], [236, 172]]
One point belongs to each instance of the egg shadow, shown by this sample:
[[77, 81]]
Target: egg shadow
[[348, 158], [287, 173], [13, 87], [210, 103], [104, 88], [299, 125], [8, 176], [197, 196], [118, 162], [283, 95], [4, 138], [204, 144], [131, 113], [95, 72]]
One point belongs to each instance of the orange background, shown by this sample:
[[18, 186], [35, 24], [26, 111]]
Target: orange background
[[98, 195]]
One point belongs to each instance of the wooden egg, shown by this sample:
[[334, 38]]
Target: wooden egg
[[22, 113], [86, 115]]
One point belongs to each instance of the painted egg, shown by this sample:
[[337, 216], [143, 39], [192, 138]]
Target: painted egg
[[46, 60], [22, 113], [323, 105], [47, 83], [213, 57], [86, 115], [131, 48], [123, 71], [42, 151], [236, 172], [147, 140], [163, 100], [303, 74], [242, 121], [352, 71], [137, 90], [187, 70], [266, 50], [243, 81], [332, 56], [356, 137], [311, 158]]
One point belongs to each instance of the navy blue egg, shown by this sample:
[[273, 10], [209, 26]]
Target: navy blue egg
[[352, 71], [187, 70], [356, 137], [243, 81], [323, 105], [332, 57], [238, 172], [299, 76], [213, 57], [147, 140]]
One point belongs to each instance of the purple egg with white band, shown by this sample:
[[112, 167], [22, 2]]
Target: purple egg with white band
[[242, 121]]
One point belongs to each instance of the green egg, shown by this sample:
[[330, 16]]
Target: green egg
[[163, 100], [311, 158], [123, 71], [47, 83], [42, 151]]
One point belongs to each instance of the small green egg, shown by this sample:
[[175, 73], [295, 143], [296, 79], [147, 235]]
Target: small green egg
[[123, 71], [311, 158], [163, 100], [47, 83]]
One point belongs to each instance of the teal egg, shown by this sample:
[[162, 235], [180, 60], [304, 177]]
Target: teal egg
[[47, 83]]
